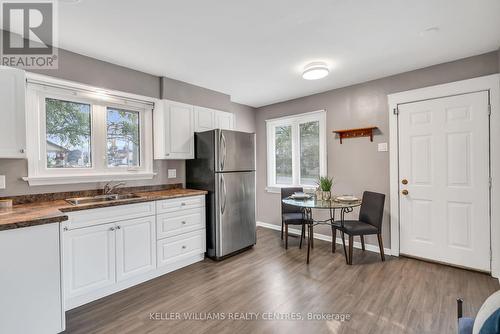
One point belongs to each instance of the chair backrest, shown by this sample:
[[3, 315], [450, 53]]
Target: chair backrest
[[286, 192], [372, 209]]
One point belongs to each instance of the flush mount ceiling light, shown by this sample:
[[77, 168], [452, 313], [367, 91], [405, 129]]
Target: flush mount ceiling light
[[315, 71]]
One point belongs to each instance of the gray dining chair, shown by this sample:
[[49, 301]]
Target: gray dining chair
[[291, 215], [369, 222]]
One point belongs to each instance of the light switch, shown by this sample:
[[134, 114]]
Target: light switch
[[172, 173], [382, 147], [2, 181]]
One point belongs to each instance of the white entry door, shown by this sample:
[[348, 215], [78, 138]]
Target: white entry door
[[444, 180]]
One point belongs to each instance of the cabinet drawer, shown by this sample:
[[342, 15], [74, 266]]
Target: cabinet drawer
[[179, 247], [110, 214], [176, 204], [183, 221]]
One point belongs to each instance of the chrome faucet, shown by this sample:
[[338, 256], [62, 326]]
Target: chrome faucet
[[108, 188]]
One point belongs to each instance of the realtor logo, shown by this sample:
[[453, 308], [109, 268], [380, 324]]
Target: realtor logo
[[28, 34]]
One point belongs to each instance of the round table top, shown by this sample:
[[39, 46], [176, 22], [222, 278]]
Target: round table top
[[314, 203]]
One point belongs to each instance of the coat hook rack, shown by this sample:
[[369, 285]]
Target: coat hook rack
[[353, 133]]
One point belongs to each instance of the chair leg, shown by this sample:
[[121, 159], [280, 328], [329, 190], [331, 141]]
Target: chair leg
[[308, 245], [350, 248], [286, 236], [334, 238], [281, 230], [381, 246], [312, 235], [362, 242], [345, 250], [301, 235]]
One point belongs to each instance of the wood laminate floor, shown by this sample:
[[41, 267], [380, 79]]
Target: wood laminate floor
[[400, 295]]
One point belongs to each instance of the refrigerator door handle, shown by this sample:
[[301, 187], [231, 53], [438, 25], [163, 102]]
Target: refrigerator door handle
[[223, 193], [223, 151]]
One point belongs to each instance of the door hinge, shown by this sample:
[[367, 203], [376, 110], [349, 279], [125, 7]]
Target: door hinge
[[489, 109], [395, 111]]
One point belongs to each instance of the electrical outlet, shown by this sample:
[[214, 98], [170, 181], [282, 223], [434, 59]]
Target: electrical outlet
[[2, 181], [382, 147], [172, 173]]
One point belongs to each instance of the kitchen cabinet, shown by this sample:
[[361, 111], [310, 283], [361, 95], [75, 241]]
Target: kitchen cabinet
[[224, 120], [135, 247], [204, 119], [174, 130], [12, 113], [89, 259], [30, 280], [109, 249]]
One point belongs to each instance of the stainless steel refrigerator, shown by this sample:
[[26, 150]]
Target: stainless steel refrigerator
[[224, 165]]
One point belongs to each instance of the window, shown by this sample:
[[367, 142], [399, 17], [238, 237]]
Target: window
[[296, 149], [86, 136]]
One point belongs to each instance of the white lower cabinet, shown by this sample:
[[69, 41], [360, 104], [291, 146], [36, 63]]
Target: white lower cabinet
[[101, 257], [89, 259], [135, 247], [179, 247]]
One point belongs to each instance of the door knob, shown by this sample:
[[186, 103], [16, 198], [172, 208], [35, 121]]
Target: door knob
[[404, 192], [404, 181]]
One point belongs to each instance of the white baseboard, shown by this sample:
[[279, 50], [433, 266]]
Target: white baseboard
[[319, 236]]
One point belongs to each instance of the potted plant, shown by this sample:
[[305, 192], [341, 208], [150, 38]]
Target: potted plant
[[325, 185]]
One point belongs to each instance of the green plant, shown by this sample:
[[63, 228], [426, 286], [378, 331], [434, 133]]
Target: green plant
[[325, 183]]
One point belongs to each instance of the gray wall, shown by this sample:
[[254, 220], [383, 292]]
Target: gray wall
[[356, 165], [102, 74]]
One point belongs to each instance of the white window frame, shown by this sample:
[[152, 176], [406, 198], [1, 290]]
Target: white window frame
[[40, 87], [294, 121]]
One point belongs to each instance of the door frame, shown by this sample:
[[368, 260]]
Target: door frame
[[490, 83]]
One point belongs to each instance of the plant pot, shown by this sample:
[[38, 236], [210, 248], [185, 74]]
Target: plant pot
[[326, 195]]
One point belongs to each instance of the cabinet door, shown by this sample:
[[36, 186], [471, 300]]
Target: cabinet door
[[135, 247], [12, 113], [89, 259], [204, 119], [179, 127], [224, 120]]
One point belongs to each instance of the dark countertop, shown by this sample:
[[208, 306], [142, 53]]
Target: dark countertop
[[39, 213]]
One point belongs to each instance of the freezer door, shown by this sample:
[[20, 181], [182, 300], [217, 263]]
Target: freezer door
[[235, 212], [235, 151]]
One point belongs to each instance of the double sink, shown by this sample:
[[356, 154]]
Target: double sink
[[100, 198]]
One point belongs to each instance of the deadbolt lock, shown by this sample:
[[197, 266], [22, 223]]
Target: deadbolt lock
[[404, 181]]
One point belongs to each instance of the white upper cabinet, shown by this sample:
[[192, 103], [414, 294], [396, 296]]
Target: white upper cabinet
[[174, 130], [175, 124], [224, 120], [12, 113], [204, 119]]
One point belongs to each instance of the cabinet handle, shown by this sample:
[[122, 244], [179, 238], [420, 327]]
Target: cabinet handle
[[118, 227], [183, 204], [183, 247], [111, 228], [65, 228]]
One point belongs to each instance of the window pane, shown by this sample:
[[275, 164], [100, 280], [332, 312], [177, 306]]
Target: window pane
[[283, 135], [67, 134], [123, 138], [309, 153]]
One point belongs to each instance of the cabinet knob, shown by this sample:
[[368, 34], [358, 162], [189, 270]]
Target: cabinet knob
[[183, 204], [65, 228], [183, 223], [22, 150], [118, 227], [183, 247], [111, 228], [167, 154]]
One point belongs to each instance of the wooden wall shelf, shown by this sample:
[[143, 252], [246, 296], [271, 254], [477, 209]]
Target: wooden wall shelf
[[353, 133]]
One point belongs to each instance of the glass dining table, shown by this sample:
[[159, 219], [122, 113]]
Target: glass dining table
[[333, 205]]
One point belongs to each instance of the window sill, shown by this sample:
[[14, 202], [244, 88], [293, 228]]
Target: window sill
[[277, 189], [72, 179]]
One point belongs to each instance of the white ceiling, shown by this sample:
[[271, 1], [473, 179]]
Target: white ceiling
[[255, 50]]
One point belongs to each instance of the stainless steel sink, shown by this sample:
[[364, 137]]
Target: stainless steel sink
[[100, 198]]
